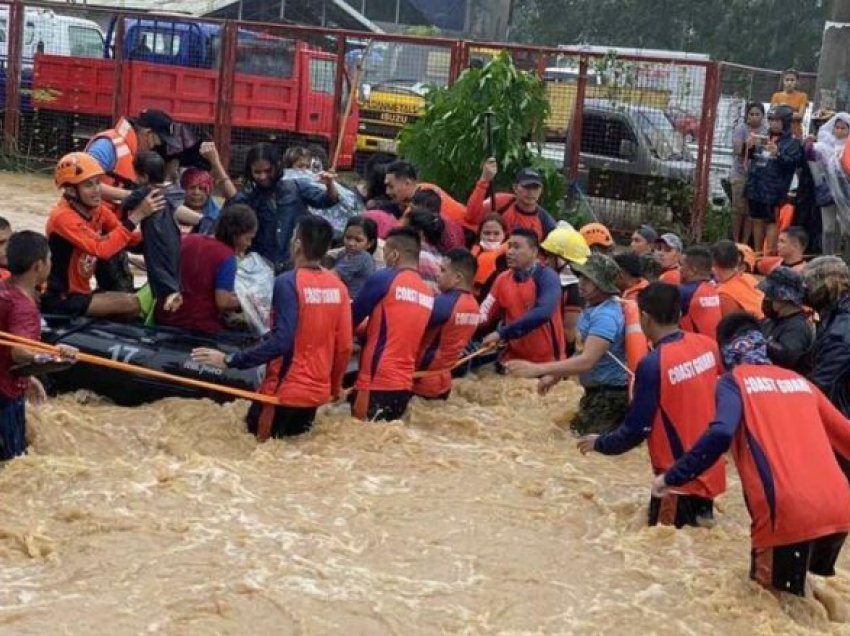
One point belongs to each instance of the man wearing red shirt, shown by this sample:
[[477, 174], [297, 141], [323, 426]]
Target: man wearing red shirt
[[453, 322], [527, 299], [398, 304], [307, 350]]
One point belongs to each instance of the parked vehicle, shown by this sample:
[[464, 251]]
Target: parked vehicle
[[686, 123], [283, 89]]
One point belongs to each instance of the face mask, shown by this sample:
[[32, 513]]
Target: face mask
[[489, 246], [767, 309]]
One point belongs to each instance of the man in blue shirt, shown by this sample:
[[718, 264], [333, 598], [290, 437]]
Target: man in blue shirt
[[601, 364]]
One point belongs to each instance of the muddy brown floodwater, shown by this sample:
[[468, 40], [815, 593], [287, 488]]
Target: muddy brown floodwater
[[475, 516]]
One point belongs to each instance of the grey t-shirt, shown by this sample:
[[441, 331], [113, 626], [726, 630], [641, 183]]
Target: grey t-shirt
[[739, 136]]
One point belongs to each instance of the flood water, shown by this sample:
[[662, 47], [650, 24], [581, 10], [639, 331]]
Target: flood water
[[476, 516]]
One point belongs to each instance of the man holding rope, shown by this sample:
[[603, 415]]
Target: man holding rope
[[308, 348]]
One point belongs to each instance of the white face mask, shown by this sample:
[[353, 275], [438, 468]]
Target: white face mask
[[489, 246]]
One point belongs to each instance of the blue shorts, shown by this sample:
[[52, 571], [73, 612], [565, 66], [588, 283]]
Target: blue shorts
[[13, 428]]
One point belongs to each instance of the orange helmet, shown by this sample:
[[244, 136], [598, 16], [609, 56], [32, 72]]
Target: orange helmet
[[75, 168], [596, 234], [748, 256]]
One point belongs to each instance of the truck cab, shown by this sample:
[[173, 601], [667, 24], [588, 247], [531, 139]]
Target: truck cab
[[632, 162]]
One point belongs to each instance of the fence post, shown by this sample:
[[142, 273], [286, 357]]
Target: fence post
[[339, 104], [225, 90], [119, 99], [12, 116], [459, 60], [571, 161], [710, 99]]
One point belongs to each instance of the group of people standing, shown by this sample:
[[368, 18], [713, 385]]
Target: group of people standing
[[680, 346], [769, 149]]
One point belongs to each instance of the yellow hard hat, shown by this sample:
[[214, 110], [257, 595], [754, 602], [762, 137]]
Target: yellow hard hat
[[567, 243]]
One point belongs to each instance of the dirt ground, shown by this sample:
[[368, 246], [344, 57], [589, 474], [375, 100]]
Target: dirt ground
[[26, 199]]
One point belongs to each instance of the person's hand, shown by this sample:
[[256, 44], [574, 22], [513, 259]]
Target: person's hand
[[797, 117], [491, 339], [326, 178], [489, 170], [173, 302], [67, 353], [152, 204], [209, 152], [211, 357], [545, 384], [772, 148], [523, 369], [659, 487], [752, 140], [35, 392], [585, 444]]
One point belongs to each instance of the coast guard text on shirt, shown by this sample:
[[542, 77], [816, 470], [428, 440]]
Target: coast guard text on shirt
[[692, 368], [321, 296], [408, 295], [769, 385]]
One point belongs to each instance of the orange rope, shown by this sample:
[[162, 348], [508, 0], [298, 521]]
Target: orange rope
[[11, 340]]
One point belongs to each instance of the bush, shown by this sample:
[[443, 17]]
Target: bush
[[448, 142]]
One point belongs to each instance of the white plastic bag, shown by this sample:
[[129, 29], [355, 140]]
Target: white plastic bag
[[254, 287]]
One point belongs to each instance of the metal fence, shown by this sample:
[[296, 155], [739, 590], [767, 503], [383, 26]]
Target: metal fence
[[633, 132]]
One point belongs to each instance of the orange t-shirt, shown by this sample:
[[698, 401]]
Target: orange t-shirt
[[797, 100]]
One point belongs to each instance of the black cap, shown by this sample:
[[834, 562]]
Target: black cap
[[160, 122], [529, 176]]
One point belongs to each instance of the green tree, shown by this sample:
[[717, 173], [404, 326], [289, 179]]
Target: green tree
[[448, 142], [765, 33]]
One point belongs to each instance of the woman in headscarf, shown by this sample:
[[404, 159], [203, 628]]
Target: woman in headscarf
[[197, 185], [826, 169]]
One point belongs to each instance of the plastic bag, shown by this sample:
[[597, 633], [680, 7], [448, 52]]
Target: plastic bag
[[254, 287]]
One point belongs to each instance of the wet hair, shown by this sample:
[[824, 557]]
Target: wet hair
[[725, 254], [315, 235], [463, 262], [262, 152], [528, 235], [734, 325], [376, 171], [234, 221], [798, 235], [428, 199], [293, 155], [493, 217], [429, 224], [402, 170], [370, 230], [406, 240], [151, 165], [630, 263], [791, 71], [662, 302], [699, 258], [757, 105], [25, 249], [4, 224]]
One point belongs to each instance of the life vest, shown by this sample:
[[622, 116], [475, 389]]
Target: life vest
[[126, 145], [690, 366], [743, 293], [788, 499], [449, 207], [637, 346], [769, 263], [632, 292], [703, 312], [672, 276], [487, 265]]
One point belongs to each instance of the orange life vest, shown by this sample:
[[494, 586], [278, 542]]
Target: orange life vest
[[743, 293], [486, 264], [126, 144], [789, 500], [690, 367], [704, 311], [637, 345]]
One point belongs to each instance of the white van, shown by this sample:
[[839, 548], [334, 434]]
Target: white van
[[47, 32]]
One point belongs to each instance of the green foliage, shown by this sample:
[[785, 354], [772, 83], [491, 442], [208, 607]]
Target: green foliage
[[448, 142], [764, 33]]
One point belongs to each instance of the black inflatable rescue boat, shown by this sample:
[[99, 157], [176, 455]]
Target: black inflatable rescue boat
[[160, 348]]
